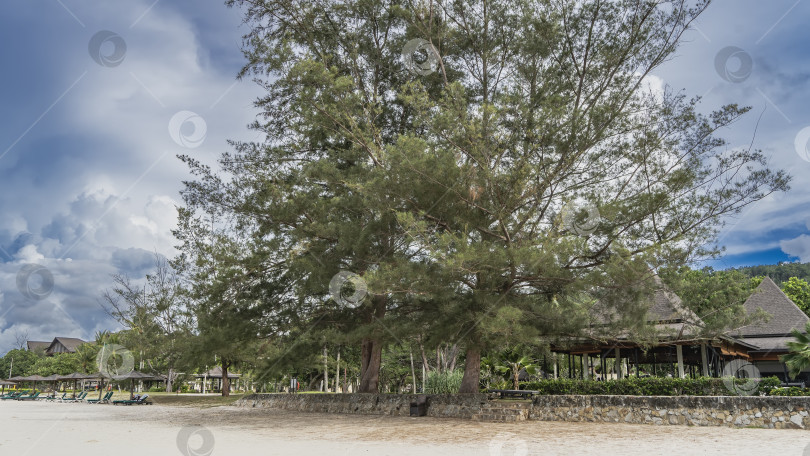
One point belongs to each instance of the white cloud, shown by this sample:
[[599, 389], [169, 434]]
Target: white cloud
[[797, 247]]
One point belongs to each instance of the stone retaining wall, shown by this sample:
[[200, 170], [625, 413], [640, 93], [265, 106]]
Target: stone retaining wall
[[449, 406], [732, 411]]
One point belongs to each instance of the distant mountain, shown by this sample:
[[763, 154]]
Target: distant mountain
[[778, 272]]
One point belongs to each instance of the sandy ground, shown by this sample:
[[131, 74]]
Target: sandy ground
[[44, 428]]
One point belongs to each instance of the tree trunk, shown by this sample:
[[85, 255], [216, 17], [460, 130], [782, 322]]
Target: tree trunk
[[169, 381], [413, 375], [425, 364], [516, 377], [472, 371], [337, 372], [325, 370], [370, 379], [371, 351], [345, 377], [453, 357], [226, 382]]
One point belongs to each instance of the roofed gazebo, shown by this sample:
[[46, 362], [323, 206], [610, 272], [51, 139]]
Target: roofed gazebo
[[215, 375], [676, 345], [680, 348]]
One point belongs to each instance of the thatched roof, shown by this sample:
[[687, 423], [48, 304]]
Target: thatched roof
[[70, 344], [217, 373], [785, 315], [33, 345]]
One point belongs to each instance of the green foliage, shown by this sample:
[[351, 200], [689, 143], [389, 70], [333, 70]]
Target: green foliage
[[716, 297], [443, 382], [61, 364], [510, 362], [790, 391], [780, 273], [643, 386], [24, 362], [798, 290], [451, 193], [768, 384], [798, 359]]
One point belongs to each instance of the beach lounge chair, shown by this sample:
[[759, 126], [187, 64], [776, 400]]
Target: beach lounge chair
[[78, 398], [52, 398], [141, 401], [13, 395], [30, 397], [103, 400]]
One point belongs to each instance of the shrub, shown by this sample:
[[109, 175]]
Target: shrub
[[443, 383], [645, 386], [791, 391], [767, 385], [157, 389]]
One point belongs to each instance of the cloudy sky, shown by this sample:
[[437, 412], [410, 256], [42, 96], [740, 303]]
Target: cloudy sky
[[98, 98]]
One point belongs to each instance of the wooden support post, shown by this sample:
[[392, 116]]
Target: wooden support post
[[617, 366], [585, 373], [555, 365], [679, 354], [603, 364], [704, 359], [635, 351]]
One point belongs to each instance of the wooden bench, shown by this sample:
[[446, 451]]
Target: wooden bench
[[523, 394]]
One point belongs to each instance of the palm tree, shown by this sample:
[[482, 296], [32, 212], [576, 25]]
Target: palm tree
[[86, 354], [512, 362], [799, 357]]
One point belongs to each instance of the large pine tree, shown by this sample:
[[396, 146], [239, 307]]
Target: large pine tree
[[490, 168]]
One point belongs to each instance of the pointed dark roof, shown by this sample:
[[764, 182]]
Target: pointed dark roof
[[668, 306], [37, 345], [70, 343], [785, 315], [666, 312]]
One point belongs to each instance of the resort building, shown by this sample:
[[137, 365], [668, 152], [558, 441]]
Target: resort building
[[680, 347], [57, 345], [770, 338]]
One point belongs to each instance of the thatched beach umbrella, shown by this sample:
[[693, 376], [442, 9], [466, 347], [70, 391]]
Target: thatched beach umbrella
[[4, 384], [51, 378], [132, 376], [100, 376], [76, 376], [31, 378]]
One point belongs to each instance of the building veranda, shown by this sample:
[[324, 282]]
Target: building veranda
[[681, 349]]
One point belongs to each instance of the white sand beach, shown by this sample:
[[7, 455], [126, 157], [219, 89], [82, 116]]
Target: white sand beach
[[44, 429]]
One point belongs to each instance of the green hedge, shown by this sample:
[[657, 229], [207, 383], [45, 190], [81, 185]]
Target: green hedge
[[645, 386], [791, 391]]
